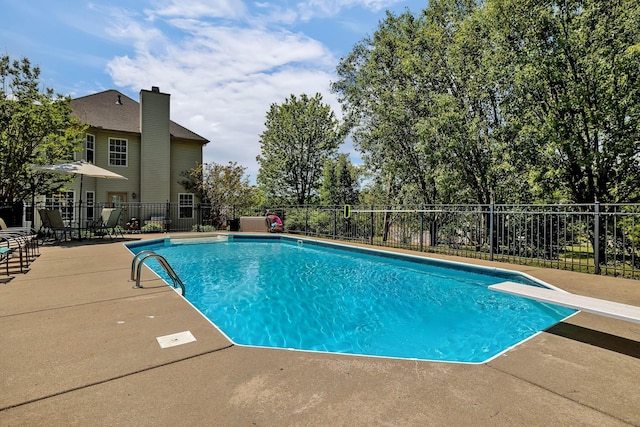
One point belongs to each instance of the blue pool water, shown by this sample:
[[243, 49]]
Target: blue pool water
[[286, 294]]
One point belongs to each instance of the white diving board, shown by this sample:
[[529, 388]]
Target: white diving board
[[616, 310]]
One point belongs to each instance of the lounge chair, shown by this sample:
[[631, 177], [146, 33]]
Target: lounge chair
[[45, 227], [21, 239], [57, 225], [5, 254], [18, 230], [98, 224], [109, 225], [104, 217]]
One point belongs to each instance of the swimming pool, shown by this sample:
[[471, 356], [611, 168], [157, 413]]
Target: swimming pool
[[306, 295]]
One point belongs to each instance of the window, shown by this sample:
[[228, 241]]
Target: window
[[63, 202], [185, 202], [91, 199], [117, 152], [89, 147]]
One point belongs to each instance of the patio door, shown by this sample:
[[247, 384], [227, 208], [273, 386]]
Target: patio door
[[116, 199]]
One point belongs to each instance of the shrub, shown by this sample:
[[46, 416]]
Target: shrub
[[152, 227], [203, 228]]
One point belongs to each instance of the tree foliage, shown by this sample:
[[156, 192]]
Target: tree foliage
[[339, 182], [576, 72], [36, 127], [300, 135], [220, 186], [423, 107], [502, 100], [381, 87]]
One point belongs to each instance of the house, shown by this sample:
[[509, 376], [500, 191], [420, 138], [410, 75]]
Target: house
[[139, 141]]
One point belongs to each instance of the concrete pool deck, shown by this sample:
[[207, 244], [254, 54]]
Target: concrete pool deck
[[78, 347]]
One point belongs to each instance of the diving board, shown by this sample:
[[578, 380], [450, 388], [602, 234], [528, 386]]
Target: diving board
[[616, 310]]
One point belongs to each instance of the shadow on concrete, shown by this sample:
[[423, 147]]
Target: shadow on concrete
[[600, 339], [87, 242]]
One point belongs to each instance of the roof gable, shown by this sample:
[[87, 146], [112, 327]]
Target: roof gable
[[113, 110]]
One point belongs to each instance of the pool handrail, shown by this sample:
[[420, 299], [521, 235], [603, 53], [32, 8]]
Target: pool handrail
[[141, 257]]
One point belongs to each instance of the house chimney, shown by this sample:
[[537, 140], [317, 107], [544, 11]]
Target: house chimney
[[155, 146]]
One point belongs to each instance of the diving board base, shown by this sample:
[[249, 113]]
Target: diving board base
[[601, 307]]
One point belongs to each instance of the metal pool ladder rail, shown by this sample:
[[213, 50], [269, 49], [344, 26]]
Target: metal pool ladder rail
[[141, 257]]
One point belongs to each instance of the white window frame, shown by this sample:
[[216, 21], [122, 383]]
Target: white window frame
[[65, 202], [121, 156], [90, 147], [186, 200], [90, 200]]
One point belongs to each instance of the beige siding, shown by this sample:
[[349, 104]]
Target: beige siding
[[133, 169], [101, 186], [155, 148], [184, 156]]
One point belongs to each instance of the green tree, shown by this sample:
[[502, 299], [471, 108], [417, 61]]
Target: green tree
[[329, 187], [575, 68], [425, 107], [339, 182], [383, 89], [220, 186], [35, 128], [468, 120], [300, 135]]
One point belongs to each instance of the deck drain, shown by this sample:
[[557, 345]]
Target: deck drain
[[176, 339]]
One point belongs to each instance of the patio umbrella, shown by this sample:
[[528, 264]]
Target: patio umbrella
[[83, 169]]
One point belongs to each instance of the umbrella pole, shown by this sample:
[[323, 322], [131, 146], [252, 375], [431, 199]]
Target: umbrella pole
[[80, 210]]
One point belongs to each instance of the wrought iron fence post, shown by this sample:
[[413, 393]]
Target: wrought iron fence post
[[372, 232], [198, 216], [596, 237], [491, 232], [422, 229], [167, 216], [335, 221], [306, 220]]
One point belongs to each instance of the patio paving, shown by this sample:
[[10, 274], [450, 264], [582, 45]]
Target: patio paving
[[78, 347]]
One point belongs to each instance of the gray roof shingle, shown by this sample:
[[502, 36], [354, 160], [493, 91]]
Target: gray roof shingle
[[101, 110]]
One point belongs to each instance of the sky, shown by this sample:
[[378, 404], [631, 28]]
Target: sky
[[224, 62]]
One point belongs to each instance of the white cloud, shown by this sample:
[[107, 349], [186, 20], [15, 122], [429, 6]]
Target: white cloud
[[326, 8], [223, 79], [200, 9], [125, 28]]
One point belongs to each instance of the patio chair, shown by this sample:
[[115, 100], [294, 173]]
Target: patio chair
[[21, 239], [5, 254], [110, 225], [57, 225], [27, 231], [45, 227], [104, 218], [100, 222]]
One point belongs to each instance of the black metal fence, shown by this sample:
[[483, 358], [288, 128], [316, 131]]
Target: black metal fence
[[591, 238]]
